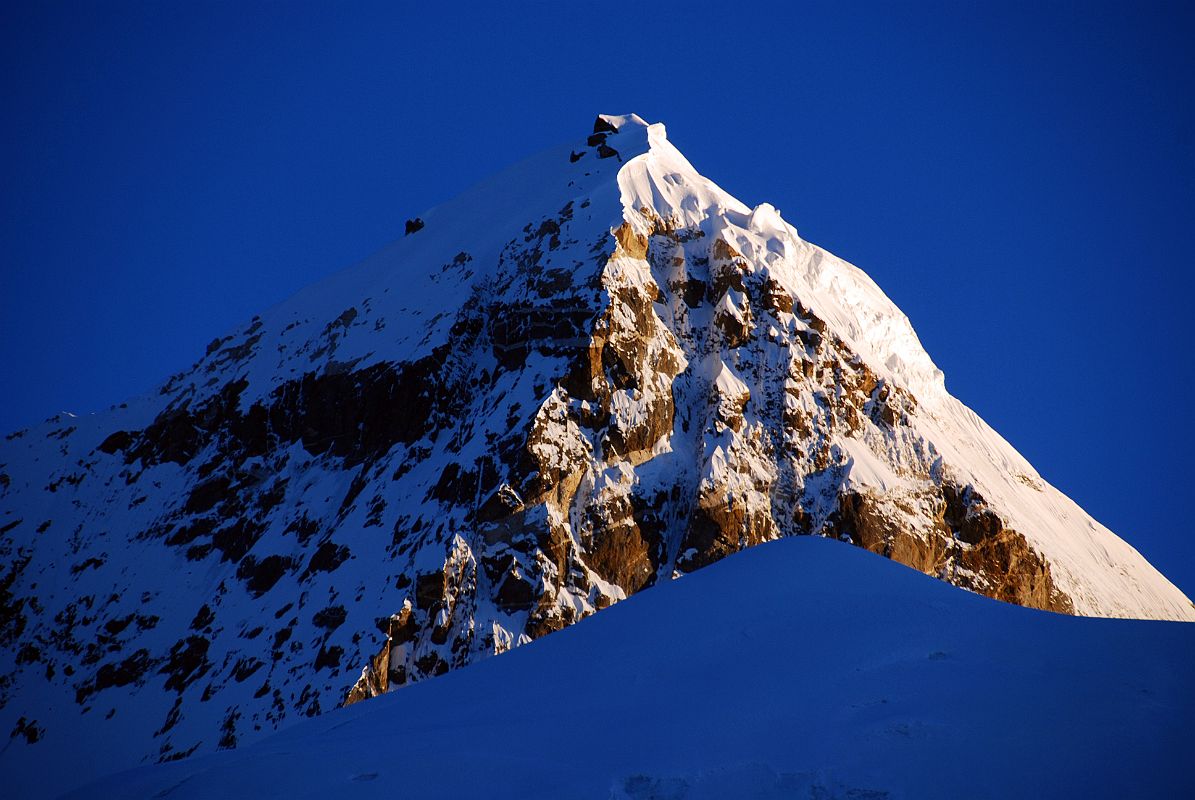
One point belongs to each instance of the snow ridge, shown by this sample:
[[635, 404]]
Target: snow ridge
[[661, 179], [1103, 574]]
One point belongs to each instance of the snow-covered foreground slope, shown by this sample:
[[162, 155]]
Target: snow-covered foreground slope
[[819, 672], [588, 375]]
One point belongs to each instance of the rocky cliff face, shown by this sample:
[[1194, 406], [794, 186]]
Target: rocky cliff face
[[595, 372]]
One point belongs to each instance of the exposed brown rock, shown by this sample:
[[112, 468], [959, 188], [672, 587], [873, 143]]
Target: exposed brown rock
[[970, 546], [375, 680], [630, 243], [867, 523], [721, 526], [776, 298], [625, 547]]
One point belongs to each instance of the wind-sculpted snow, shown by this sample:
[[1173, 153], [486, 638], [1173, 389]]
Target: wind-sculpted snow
[[587, 375]]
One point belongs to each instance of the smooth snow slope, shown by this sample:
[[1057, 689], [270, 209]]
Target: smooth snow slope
[[826, 672]]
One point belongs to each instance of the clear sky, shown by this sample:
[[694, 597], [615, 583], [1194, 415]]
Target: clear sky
[[1019, 179]]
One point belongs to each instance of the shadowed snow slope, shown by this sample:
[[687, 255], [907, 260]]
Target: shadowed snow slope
[[822, 671]]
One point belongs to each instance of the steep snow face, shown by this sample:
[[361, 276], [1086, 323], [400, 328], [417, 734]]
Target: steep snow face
[[842, 295], [822, 672], [589, 374], [1099, 572]]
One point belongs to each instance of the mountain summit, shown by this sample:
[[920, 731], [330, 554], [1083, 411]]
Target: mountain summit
[[591, 373]]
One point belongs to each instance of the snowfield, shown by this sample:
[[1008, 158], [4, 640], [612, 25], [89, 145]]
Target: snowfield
[[826, 672]]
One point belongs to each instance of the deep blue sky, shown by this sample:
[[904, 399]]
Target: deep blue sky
[[1020, 180]]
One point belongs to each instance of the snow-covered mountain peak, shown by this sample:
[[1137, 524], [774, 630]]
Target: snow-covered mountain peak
[[589, 374], [663, 182]]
